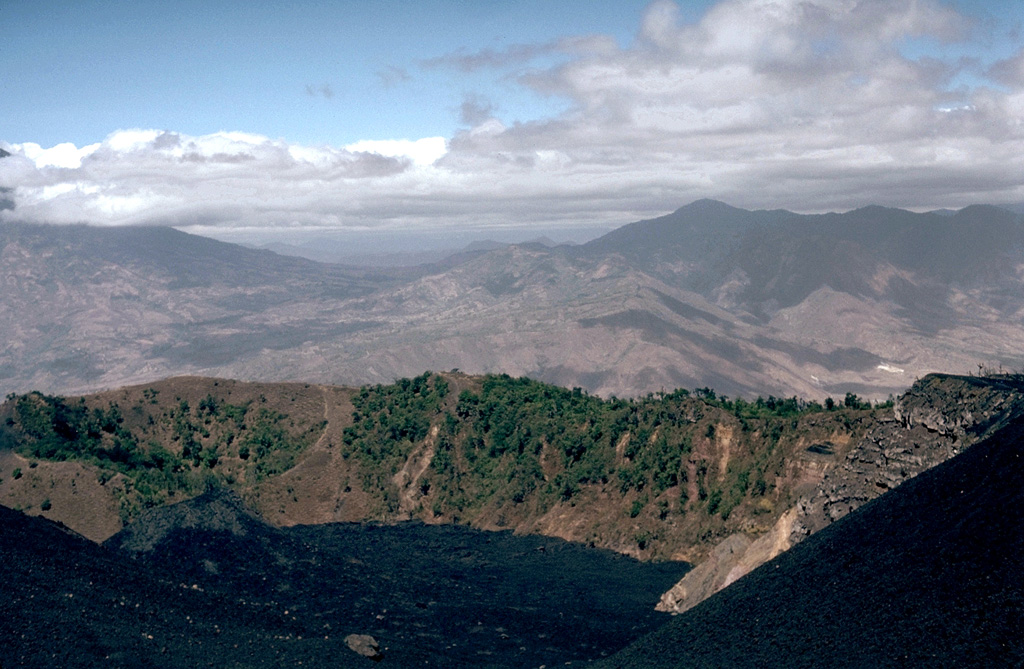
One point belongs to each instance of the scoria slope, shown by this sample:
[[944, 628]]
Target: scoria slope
[[91, 308], [925, 575], [67, 602]]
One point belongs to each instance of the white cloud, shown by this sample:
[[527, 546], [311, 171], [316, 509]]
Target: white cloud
[[424, 151], [126, 141], [806, 104], [142, 176], [62, 155]]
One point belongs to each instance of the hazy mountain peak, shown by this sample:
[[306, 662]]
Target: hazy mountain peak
[[483, 245], [988, 211], [877, 210], [704, 205]]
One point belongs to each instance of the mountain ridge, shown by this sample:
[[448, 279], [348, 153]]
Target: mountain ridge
[[790, 297], [658, 477], [668, 476]]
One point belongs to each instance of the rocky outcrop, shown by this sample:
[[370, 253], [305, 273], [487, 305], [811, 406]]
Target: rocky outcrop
[[407, 479], [888, 455], [961, 406], [936, 419], [729, 561], [364, 645]]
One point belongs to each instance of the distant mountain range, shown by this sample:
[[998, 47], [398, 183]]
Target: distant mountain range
[[746, 302], [337, 251]]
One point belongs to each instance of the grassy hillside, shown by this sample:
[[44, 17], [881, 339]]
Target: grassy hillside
[[661, 476]]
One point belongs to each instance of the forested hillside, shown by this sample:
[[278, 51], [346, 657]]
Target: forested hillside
[[660, 476]]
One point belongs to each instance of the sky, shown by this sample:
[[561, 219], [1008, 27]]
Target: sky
[[257, 118]]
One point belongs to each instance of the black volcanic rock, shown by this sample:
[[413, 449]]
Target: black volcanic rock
[[201, 538], [428, 594], [435, 596], [927, 575], [66, 602], [217, 510]]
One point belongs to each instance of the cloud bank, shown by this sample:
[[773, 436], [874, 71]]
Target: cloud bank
[[806, 104]]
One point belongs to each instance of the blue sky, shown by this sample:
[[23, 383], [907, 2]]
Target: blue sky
[[229, 116], [310, 72]]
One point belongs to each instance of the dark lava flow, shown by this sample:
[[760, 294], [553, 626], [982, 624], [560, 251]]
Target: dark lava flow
[[208, 583]]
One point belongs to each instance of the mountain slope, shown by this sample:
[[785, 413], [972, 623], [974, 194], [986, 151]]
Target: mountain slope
[[747, 302], [92, 307], [700, 231], [926, 575]]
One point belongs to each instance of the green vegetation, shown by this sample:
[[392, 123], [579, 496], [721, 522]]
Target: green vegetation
[[386, 423], [158, 456], [494, 449], [519, 437], [522, 447], [782, 407]]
